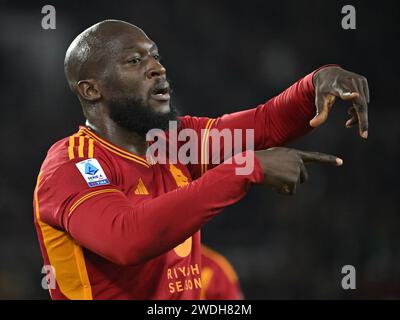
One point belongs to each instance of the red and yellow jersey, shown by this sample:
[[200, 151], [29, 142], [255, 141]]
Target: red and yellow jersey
[[62, 191], [115, 226], [219, 279]]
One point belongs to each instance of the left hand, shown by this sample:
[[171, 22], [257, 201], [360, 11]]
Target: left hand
[[333, 81]]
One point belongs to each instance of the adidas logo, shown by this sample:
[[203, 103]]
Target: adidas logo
[[141, 188]]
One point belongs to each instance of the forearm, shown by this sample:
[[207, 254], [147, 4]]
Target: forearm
[[287, 115], [273, 123], [110, 226]]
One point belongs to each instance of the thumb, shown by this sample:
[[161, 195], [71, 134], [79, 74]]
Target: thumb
[[323, 104], [347, 95]]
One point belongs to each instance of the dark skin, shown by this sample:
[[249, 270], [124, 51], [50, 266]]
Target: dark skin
[[284, 168], [130, 65], [334, 82]]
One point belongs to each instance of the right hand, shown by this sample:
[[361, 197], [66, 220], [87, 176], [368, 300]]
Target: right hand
[[284, 168]]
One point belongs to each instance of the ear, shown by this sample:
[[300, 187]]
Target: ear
[[88, 90]]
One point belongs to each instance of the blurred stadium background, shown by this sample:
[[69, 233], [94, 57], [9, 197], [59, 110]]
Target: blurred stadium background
[[225, 56]]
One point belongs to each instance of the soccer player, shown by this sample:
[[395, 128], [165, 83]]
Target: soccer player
[[113, 224], [219, 280]]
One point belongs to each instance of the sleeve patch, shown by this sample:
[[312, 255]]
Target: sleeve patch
[[92, 172]]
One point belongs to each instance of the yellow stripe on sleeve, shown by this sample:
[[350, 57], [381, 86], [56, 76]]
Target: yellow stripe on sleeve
[[91, 148], [71, 147], [81, 145], [89, 195], [205, 143]]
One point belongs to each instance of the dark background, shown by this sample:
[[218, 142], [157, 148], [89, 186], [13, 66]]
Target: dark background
[[225, 56]]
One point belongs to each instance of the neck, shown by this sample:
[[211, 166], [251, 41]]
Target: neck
[[120, 137]]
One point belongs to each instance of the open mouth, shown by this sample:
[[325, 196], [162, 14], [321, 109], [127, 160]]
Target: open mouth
[[161, 93]]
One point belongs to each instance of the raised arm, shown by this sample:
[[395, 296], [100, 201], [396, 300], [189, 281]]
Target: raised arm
[[274, 123], [289, 115]]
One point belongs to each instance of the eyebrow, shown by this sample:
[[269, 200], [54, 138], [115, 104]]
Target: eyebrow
[[153, 46]]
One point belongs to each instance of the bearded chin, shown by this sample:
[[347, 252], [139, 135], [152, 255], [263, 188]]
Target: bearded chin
[[135, 116]]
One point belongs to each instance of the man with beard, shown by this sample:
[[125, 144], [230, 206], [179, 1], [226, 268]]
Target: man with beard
[[111, 223]]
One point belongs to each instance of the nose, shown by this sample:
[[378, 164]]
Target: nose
[[156, 69]]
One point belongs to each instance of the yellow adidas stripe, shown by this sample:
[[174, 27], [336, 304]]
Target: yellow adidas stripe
[[71, 147], [89, 195], [81, 145], [205, 143], [91, 148]]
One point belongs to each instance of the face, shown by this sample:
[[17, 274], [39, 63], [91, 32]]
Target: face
[[134, 85]]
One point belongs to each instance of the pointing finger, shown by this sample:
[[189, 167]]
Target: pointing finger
[[318, 157], [303, 173]]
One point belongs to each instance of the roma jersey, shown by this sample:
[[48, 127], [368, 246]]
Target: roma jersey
[[112, 225]]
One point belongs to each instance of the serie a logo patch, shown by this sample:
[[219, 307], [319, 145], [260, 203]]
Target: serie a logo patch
[[92, 172]]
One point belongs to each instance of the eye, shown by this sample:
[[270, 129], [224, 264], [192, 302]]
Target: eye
[[135, 60], [157, 57]]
